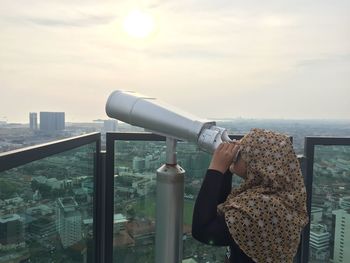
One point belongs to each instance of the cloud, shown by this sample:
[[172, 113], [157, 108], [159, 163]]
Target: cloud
[[208, 50], [55, 13], [326, 60], [84, 20]]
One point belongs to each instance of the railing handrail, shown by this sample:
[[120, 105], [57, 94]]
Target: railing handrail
[[18, 157], [326, 140]]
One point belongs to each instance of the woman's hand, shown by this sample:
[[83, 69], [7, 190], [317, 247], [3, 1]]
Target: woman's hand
[[223, 156]]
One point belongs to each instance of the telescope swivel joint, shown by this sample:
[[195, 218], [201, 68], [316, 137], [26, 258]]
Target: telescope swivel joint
[[210, 138]]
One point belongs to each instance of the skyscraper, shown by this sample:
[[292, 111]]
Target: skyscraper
[[68, 221], [110, 125], [138, 164], [341, 235], [319, 242], [33, 120], [11, 230], [52, 121], [344, 202]]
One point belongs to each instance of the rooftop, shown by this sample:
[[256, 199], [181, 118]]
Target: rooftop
[[67, 202], [9, 218]]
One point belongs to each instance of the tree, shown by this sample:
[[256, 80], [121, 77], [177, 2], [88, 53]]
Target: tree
[[7, 189]]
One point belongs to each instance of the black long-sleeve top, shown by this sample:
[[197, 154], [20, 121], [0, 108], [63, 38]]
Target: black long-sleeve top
[[207, 225]]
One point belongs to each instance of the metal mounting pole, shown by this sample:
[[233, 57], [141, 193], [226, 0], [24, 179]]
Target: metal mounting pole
[[169, 208]]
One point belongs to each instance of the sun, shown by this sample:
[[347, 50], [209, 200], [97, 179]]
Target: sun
[[138, 24]]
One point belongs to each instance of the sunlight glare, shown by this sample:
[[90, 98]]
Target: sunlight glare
[[139, 24]]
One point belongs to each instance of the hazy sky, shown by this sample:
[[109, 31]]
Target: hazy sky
[[213, 58]]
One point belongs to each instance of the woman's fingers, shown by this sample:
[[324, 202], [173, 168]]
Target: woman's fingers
[[220, 147], [230, 147], [223, 156], [228, 151], [235, 149]]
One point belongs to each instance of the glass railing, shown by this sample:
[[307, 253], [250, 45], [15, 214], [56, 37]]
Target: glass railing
[[47, 202], [136, 158], [135, 199], [132, 160], [57, 204], [328, 172]]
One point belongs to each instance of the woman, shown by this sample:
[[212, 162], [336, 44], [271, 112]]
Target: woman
[[261, 220]]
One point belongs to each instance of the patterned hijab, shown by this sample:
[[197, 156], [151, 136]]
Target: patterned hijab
[[266, 214]]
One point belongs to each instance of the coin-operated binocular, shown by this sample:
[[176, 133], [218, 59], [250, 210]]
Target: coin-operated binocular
[[153, 115]]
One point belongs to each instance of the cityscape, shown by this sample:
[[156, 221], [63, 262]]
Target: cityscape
[[46, 207]]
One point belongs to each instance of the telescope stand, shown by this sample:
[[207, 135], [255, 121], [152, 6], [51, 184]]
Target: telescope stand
[[169, 208]]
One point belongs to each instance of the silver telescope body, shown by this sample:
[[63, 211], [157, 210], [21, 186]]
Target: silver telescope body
[[153, 115]]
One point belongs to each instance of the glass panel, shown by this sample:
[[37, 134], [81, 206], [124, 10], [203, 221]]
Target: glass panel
[[46, 209], [196, 163], [330, 214], [135, 199]]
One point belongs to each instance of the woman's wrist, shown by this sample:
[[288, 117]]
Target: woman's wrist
[[217, 168]]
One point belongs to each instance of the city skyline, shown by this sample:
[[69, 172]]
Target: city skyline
[[285, 59], [106, 120], [48, 204]]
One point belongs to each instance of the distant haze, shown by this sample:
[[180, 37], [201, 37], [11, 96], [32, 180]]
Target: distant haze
[[215, 59]]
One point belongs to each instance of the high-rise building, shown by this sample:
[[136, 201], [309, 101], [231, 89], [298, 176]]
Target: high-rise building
[[43, 227], [33, 120], [344, 202], [341, 252], [138, 164], [110, 125], [319, 242], [69, 221], [119, 222], [316, 215], [52, 121], [11, 230]]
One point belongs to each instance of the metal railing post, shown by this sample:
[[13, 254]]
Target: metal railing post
[[102, 209], [169, 208]]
